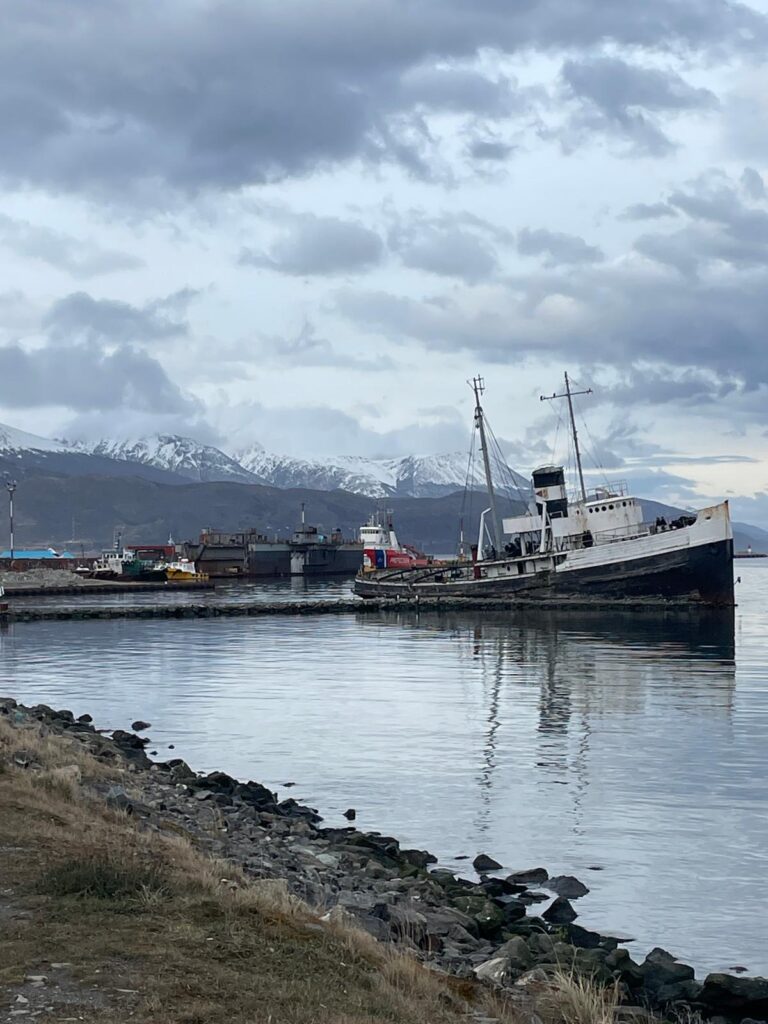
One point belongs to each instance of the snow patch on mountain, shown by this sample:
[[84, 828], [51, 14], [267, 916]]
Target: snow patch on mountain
[[425, 476], [13, 440], [181, 455]]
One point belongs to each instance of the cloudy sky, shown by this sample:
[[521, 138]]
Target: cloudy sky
[[307, 224]]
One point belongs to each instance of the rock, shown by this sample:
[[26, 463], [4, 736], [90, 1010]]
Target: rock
[[586, 939], [483, 862], [419, 858], [119, 800], [688, 991], [735, 997], [661, 971], [350, 814], [405, 923], [568, 886], [171, 746], [488, 918], [496, 887], [445, 921], [532, 876], [497, 971], [531, 896], [139, 726], [85, 719], [128, 740], [21, 1000], [560, 912], [540, 944], [512, 908], [517, 952], [36, 979]]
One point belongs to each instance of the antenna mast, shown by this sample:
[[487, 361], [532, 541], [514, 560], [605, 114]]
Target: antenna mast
[[478, 386], [569, 395]]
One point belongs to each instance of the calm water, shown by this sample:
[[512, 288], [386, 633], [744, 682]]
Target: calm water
[[633, 743]]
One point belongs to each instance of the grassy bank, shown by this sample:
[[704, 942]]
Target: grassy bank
[[123, 923]]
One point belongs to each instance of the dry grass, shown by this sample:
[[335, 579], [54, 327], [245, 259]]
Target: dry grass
[[191, 938], [576, 999]]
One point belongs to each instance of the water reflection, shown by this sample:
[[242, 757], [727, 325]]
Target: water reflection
[[630, 741]]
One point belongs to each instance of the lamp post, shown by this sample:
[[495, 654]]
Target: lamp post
[[11, 486]]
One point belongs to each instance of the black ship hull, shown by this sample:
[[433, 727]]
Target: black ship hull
[[698, 575]]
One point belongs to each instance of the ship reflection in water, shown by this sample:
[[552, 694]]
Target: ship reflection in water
[[634, 743], [581, 662]]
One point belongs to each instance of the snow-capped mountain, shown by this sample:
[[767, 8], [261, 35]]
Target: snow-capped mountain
[[13, 440], [173, 457], [181, 455], [427, 476]]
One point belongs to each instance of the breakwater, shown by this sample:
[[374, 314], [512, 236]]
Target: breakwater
[[486, 927], [221, 609]]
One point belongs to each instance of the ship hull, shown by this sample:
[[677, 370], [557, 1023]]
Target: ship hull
[[694, 568]]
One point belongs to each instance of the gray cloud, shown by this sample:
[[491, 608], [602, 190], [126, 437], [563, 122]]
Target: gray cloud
[[309, 430], [78, 257], [227, 95], [306, 349], [648, 211], [721, 227], [452, 245], [490, 149], [86, 377], [319, 245], [622, 99], [752, 183], [557, 248], [623, 316], [79, 315]]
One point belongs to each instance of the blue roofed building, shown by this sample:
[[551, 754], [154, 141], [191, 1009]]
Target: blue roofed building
[[34, 555]]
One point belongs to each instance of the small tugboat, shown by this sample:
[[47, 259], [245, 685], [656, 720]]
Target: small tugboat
[[595, 549], [183, 570], [382, 549]]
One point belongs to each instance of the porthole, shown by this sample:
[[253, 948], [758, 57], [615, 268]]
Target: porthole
[[611, 507]]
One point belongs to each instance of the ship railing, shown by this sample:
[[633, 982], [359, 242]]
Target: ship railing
[[631, 532], [610, 489]]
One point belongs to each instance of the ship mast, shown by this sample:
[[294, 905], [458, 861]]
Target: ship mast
[[569, 395], [478, 386]]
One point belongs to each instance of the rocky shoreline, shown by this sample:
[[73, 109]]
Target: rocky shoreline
[[489, 930]]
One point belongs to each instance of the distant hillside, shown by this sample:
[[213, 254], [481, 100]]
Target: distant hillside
[[69, 511]]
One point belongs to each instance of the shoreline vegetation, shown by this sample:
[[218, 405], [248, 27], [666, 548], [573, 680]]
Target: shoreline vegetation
[[144, 890]]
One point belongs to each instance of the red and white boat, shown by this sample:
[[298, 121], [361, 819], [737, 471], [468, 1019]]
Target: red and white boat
[[382, 549]]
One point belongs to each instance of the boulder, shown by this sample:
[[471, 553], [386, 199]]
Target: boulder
[[497, 971], [496, 887], [487, 916], [118, 799], [727, 995], [446, 920], [517, 952], [139, 726], [568, 886], [661, 971], [483, 862], [560, 912], [529, 876], [418, 858]]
